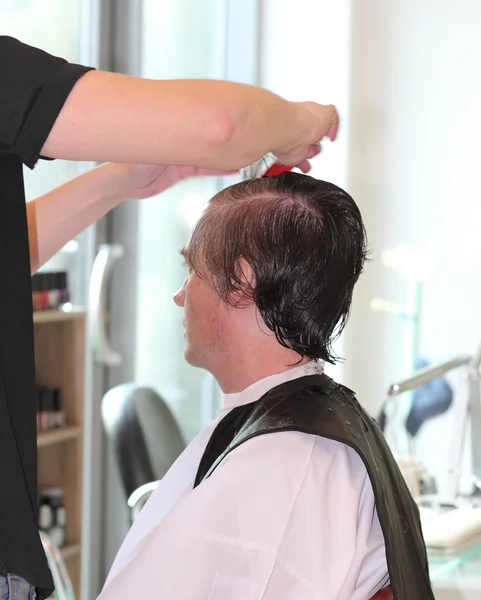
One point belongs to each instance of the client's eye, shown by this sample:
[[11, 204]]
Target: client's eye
[[186, 265]]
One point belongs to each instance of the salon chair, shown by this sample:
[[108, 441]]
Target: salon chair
[[385, 594], [145, 439]]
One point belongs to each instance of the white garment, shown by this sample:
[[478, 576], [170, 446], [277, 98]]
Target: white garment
[[285, 516]]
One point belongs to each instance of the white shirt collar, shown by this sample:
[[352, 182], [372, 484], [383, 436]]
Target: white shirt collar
[[261, 387]]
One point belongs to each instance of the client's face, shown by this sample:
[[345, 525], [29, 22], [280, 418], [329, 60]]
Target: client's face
[[205, 320]]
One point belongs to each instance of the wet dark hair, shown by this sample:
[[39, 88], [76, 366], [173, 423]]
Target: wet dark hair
[[306, 244]]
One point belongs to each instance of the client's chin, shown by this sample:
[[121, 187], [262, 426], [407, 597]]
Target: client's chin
[[190, 357]]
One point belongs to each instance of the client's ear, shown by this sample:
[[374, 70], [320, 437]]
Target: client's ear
[[245, 272], [245, 276]]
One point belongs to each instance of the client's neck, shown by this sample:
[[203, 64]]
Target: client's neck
[[238, 371]]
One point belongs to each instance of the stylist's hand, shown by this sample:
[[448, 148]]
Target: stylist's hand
[[310, 123], [144, 181]]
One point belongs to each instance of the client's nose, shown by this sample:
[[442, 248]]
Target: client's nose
[[179, 295]]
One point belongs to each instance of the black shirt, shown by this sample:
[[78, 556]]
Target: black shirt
[[33, 88]]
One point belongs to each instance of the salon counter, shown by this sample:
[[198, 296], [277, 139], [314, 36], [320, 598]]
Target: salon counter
[[457, 576]]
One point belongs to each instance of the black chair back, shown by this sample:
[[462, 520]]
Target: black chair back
[[144, 434]]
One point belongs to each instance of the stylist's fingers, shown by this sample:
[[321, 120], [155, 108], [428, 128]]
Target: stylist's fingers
[[314, 150], [332, 134], [311, 123], [305, 166], [326, 121]]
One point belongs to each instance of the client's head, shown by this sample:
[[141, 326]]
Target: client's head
[[272, 266]]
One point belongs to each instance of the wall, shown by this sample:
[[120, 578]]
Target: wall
[[413, 168]]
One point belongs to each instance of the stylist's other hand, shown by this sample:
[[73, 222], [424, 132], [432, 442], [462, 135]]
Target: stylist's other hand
[[144, 181], [310, 123]]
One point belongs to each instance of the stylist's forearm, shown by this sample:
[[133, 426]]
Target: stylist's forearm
[[206, 123], [60, 215]]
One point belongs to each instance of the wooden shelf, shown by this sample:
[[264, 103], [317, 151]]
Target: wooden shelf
[[54, 316], [71, 550], [60, 363], [55, 436]]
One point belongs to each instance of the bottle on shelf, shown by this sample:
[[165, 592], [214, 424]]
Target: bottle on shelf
[[50, 411], [58, 409], [50, 290], [53, 515]]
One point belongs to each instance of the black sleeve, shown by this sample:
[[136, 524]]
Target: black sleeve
[[33, 88]]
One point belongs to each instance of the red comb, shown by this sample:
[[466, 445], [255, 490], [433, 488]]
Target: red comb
[[277, 170]]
